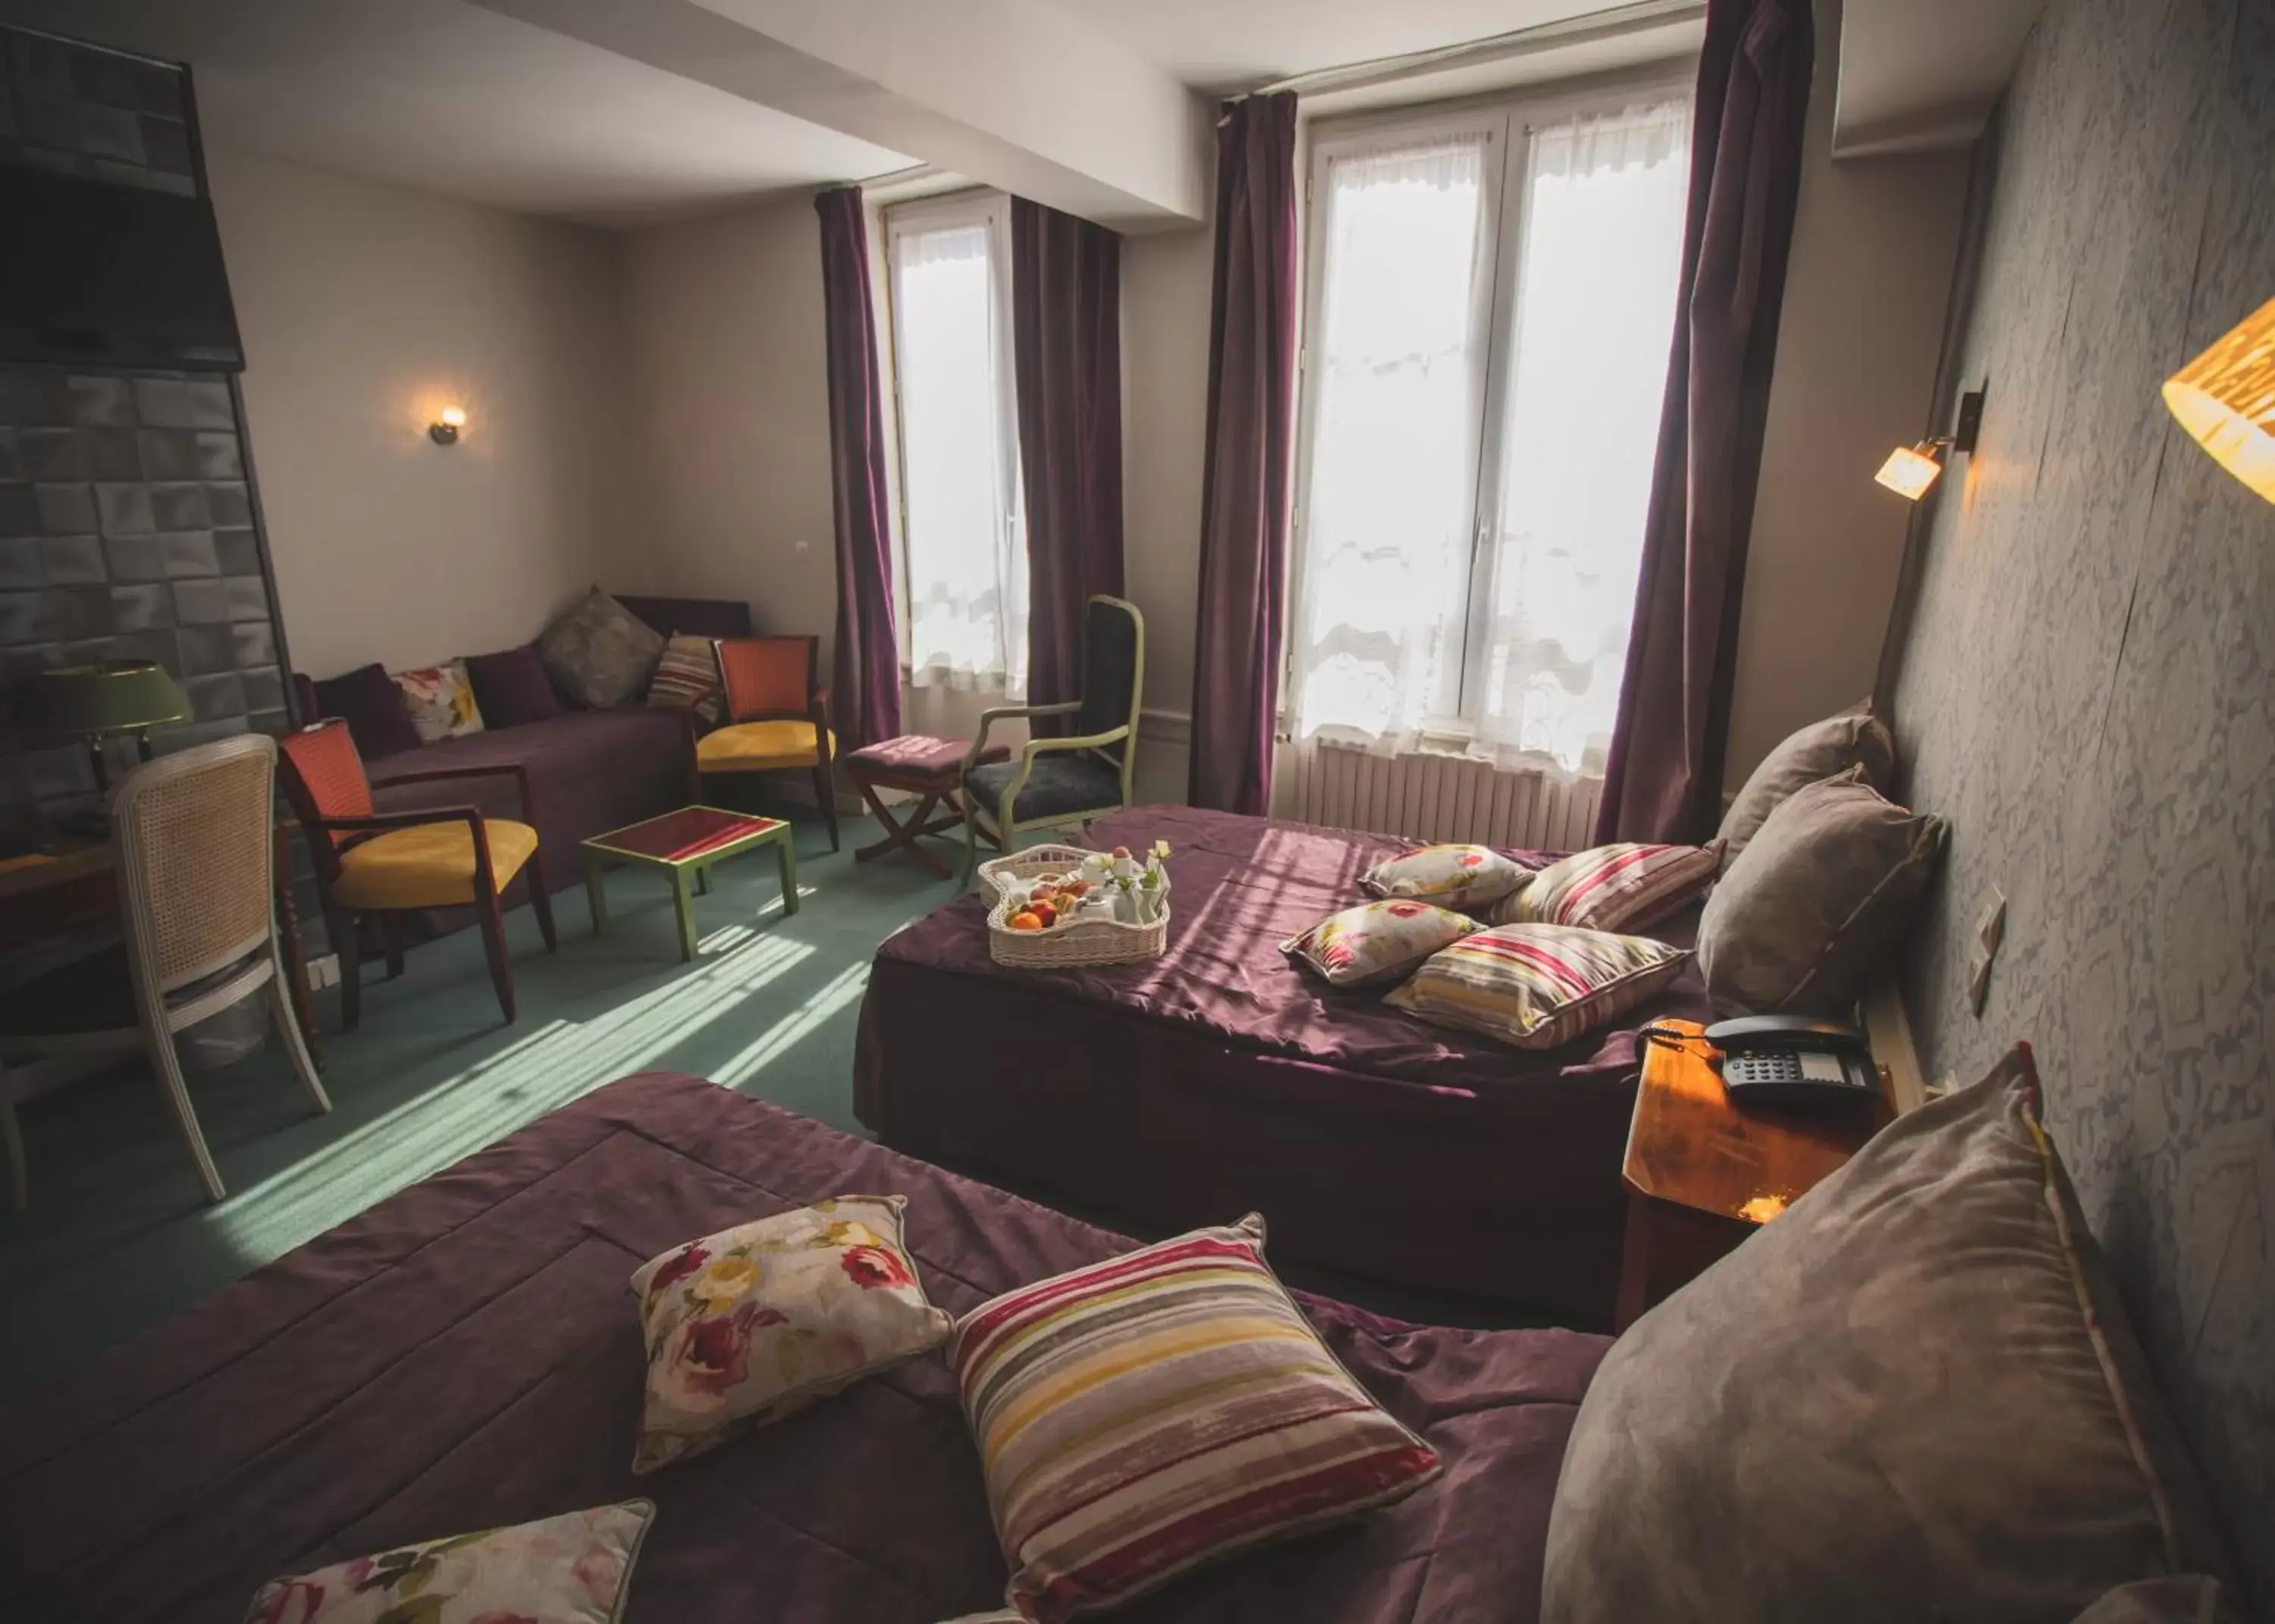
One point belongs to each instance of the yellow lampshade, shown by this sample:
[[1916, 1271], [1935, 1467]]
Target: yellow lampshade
[[2226, 398], [1908, 471]]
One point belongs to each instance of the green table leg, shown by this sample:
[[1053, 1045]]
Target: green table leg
[[683, 906], [786, 855], [596, 894]]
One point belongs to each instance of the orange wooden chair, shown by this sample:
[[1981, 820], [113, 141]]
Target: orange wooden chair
[[390, 863], [777, 716]]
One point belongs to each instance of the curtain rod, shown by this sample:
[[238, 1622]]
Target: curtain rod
[[1604, 24]]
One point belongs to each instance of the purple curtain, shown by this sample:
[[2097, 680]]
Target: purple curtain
[[1066, 334], [1663, 778], [866, 706], [1252, 400]]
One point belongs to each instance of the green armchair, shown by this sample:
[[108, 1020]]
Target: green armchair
[[1060, 782]]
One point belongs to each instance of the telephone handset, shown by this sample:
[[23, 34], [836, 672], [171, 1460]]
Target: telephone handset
[[1793, 1060]]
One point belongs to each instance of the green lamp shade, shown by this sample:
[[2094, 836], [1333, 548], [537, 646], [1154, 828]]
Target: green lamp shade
[[112, 696]]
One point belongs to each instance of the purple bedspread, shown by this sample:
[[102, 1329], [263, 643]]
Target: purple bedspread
[[464, 1354], [1220, 1078]]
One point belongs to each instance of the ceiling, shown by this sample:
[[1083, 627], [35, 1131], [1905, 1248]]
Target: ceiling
[[1222, 46], [451, 98]]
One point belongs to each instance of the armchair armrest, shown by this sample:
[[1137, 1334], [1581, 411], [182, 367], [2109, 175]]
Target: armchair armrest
[[1079, 741], [514, 770], [994, 713]]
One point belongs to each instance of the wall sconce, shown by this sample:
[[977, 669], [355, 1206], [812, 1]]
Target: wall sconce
[[2225, 399], [444, 429], [1911, 469]]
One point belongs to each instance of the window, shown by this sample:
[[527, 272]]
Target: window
[[1492, 306], [962, 536]]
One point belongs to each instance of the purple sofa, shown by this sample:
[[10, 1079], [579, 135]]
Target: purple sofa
[[589, 771]]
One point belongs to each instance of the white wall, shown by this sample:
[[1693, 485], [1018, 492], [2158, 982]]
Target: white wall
[[1874, 244], [364, 308]]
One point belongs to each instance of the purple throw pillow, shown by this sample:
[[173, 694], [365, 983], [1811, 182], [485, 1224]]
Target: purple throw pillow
[[510, 687], [371, 706]]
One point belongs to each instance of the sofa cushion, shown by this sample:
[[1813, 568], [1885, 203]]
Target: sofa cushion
[[511, 687], [599, 653], [440, 701], [1913, 1395], [368, 701]]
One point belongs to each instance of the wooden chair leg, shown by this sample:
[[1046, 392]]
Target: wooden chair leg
[[166, 1060], [540, 900], [493, 926], [827, 794], [342, 923], [390, 928], [296, 1046]]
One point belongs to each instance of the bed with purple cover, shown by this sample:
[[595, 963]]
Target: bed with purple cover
[[1219, 1078], [464, 1354]]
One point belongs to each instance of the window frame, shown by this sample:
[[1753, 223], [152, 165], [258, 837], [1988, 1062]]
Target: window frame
[[1510, 118], [916, 217]]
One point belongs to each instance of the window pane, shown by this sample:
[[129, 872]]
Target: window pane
[[1601, 255], [1386, 522], [966, 556]]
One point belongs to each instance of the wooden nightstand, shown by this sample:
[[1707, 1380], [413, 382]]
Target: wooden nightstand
[[1702, 1175]]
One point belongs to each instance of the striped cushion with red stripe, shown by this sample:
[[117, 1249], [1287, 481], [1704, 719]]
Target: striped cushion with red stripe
[[1619, 887], [1537, 987], [1150, 1413]]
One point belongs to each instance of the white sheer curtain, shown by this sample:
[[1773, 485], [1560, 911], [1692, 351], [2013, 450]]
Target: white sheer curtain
[[1402, 345], [964, 542], [1601, 257]]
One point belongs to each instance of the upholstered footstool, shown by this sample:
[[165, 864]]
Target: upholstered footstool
[[922, 765]]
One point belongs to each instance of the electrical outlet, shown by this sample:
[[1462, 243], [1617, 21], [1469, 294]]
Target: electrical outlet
[[1990, 931], [323, 972]]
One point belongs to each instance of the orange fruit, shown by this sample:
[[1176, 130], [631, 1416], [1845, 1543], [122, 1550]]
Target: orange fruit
[[1025, 919]]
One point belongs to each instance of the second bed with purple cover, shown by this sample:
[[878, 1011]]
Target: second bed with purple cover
[[464, 1354], [1220, 1078]]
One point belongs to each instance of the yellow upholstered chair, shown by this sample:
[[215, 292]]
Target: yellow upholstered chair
[[390, 863], [777, 716], [192, 835]]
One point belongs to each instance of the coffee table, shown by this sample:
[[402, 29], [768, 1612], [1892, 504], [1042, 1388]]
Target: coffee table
[[684, 844]]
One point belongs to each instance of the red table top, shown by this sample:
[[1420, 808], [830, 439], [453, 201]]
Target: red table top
[[686, 835]]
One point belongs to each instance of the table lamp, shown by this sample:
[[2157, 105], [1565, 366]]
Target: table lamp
[[103, 700]]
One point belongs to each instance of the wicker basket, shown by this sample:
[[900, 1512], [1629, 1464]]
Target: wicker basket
[[1084, 943]]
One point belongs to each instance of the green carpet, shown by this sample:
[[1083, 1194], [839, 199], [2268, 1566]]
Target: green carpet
[[118, 1234]]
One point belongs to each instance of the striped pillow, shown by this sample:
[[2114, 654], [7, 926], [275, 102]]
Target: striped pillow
[[1537, 987], [688, 677], [1620, 887], [1144, 1415]]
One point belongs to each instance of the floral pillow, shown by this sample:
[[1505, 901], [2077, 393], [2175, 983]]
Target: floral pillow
[[1376, 941], [575, 1568], [1460, 877], [1618, 888], [440, 702], [745, 1326]]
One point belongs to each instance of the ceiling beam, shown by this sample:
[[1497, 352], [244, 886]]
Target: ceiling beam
[[1013, 92]]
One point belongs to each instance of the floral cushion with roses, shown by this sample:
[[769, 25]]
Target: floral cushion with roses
[[745, 1326], [1376, 941], [1452, 876]]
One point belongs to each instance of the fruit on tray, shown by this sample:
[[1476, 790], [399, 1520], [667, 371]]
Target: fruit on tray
[[1025, 919]]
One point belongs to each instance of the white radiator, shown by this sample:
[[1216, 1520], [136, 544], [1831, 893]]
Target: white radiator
[[1427, 796]]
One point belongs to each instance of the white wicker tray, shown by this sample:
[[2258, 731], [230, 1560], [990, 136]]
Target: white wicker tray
[[1084, 943]]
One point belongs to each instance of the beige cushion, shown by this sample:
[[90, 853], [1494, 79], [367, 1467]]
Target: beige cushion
[[1821, 893], [1537, 987], [1855, 737], [750, 1325], [1913, 1396], [1618, 888], [1376, 941], [1451, 876], [599, 654]]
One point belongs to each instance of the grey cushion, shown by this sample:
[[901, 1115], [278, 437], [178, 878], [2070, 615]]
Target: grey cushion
[[1826, 888], [1855, 737], [1892, 1404], [599, 654], [1063, 783]]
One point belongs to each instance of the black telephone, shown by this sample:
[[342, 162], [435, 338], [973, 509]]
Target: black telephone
[[1780, 1060]]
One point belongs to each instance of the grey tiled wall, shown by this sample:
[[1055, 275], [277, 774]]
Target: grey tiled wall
[[126, 532], [84, 111]]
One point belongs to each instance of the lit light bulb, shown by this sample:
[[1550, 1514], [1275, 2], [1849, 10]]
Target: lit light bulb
[[1911, 470], [455, 416]]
